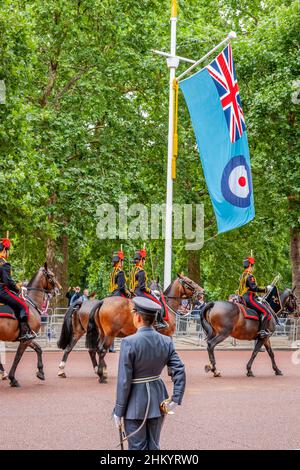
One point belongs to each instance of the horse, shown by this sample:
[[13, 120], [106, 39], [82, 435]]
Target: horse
[[222, 319], [110, 318], [41, 287]]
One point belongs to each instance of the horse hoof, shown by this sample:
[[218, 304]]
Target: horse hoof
[[250, 373], [207, 368], [217, 374], [14, 383], [4, 376], [40, 375], [102, 380], [278, 372], [62, 374]]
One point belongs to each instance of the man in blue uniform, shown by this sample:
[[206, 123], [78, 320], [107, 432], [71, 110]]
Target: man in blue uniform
[[142, 398]]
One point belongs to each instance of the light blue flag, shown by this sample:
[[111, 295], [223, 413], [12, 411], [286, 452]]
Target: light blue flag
[[213, 100]]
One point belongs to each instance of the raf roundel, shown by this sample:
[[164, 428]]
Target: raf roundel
[[236, 184]]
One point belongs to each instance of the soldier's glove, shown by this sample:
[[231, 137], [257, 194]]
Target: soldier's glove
[[269, 287], [168, 406], [118, 421]]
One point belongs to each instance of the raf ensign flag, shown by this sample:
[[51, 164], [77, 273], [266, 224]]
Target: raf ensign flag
[[213, 99]]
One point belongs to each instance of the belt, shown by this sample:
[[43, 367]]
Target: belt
[[144, 380]]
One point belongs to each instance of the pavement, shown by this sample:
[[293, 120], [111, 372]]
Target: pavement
[[229, 412]]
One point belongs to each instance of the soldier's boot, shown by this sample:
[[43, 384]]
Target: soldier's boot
[[160, 322], [26, 334], [264, 332]]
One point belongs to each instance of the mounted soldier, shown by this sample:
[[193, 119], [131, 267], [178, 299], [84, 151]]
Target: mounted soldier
[[248, 290], [117, 285], [138, 285], [9, 293]]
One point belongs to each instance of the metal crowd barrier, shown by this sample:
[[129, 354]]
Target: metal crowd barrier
[[187, 327]]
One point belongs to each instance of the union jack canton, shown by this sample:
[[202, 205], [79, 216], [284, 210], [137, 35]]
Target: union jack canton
[[222, 71]]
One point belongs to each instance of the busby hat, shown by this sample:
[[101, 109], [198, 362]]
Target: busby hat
[[4, 244]]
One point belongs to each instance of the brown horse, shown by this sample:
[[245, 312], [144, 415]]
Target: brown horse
[[111, 318], [222, 319], [40, 288]]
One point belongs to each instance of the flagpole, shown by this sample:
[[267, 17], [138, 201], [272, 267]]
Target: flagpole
[[173, 63], [231, 35]]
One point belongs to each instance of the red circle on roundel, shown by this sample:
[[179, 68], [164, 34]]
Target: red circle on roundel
[[242, 181]]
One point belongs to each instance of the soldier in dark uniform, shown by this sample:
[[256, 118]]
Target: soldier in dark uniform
[[248, 289], [142, 398], [138, 284], [9, 293], [117, 277]]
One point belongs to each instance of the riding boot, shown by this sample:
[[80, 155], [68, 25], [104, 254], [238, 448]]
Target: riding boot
[[26, 334], [263, 332], [160, 323]]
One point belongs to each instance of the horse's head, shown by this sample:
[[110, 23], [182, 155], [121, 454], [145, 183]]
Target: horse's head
[[48, 281], [187, 288], [290, 302]]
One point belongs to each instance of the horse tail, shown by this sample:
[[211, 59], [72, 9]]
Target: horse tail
[[66, 334], [205, 324], [92, 334]]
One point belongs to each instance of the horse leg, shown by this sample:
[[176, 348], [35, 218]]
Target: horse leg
[[92, 353], [211, 344], [36, 347], [3, 373], [267, 345], [20, 351], [258, 344], [62, 365], [102, 351]]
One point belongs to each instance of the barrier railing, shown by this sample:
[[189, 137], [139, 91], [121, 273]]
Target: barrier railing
[[188, 328]]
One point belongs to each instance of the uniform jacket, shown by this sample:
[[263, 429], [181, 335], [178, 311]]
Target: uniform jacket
[[5, 277], [145, 354]]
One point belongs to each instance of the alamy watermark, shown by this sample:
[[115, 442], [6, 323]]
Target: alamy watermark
[[138, 221]]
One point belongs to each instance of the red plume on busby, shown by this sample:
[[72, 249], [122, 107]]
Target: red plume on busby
[[5, 242], [251, 259], [121, 254], [143, 253]]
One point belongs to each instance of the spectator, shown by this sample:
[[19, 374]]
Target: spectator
[[184, 307], [69, 294], [85, 295], [75, 296]]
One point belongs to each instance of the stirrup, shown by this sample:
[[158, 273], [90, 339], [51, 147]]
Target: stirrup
[[160, 326], [263, 334], [29, 336]]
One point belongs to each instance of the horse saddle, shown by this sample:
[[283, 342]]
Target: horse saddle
[[7, 312], [164, 309], [248, 312]]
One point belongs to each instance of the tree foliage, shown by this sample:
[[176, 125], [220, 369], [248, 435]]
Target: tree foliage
[[85, 121]]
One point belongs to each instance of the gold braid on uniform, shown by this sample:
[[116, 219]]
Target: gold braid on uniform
[[242, 286]]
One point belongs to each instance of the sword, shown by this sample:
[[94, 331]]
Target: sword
[[121, 437]]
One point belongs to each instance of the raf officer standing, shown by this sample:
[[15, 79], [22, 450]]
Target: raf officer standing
[[142, 398]]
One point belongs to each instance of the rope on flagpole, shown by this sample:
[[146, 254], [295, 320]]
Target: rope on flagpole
[[175, 129]]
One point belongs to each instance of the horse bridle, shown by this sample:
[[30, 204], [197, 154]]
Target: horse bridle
[[48, 292]]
